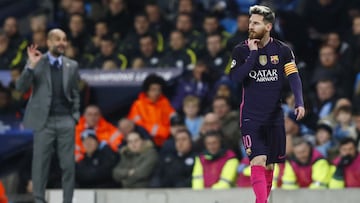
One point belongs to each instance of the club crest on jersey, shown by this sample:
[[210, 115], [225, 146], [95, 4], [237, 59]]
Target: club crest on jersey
[[263, 60], [274, 59]]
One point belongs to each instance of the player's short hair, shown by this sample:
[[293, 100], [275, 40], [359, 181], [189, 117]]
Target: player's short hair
[[266, 12]]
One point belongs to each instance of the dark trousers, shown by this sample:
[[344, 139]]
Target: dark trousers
[[58, 135]]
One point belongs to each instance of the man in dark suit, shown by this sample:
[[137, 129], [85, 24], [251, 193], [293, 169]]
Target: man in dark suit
[[52, 111]]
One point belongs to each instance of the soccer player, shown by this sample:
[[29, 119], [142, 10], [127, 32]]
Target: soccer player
[[261, 64]]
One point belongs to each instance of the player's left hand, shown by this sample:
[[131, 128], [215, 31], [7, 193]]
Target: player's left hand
[[299, 112]]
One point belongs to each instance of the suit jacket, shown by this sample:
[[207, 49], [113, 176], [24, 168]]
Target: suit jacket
[[39, 79]]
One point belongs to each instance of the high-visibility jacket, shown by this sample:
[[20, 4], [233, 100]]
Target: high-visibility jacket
[[104, 130], [3, 198], [153, 116], [314, 175], [243, 179], [219, 173], [351, 176]]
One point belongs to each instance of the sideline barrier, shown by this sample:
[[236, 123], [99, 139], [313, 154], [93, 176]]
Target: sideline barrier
[[235, 195]]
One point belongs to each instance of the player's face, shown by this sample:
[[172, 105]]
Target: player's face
[[347, 149], [257, 27], [212, 144], [302, 152]]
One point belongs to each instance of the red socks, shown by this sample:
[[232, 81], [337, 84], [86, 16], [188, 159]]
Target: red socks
[[259, 183], [269, 179]]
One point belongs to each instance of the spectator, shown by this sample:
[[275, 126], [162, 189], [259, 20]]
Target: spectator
[[215, 167], [192, 84], [211, 123], [324, 16], [211, 25], [39, 38], [224, 87], [178, 56], [17, 42], [344, 126], [189, 7], [177, 123], [175, 169], [126, 126], [38, 22], [137, 63], [84, 60], [306, 168], [3, 198], [7, 54], [118, 18], [323, 138], [152, 110], [109, 65], [241, 33], [217, 59], [148, 52], [6, 106], [229, 124], [17, 97], [347, 173], [78, 35], [107, 52], [325, 97], [356, 118], [104, 131], [193, 121], [101, 30], [184, 24], [141, 27], [94, 171], [331, 118], [157, 21], [354, 41], [343, 49], [330, 68], [138, 160]]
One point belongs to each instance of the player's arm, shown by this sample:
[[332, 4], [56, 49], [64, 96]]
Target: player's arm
[[293, 76], [241, 65]]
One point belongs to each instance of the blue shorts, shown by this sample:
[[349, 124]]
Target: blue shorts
[[268, 140]]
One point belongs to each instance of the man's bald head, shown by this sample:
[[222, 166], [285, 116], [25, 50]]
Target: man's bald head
[[211, 122], [57, 42], [126, 126], [55, 32]]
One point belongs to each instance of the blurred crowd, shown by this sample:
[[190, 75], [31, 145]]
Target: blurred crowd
[[191, 138]]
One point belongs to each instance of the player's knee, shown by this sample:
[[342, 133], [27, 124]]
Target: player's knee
[[258, 161]]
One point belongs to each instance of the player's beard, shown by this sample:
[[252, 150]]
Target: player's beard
[[257, 35]]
